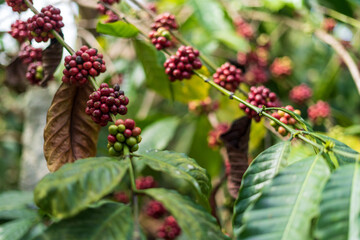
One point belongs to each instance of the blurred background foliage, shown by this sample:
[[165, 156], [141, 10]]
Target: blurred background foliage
[[209, 26]]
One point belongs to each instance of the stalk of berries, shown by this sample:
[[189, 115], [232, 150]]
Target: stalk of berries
[[145, 182], [35, 72], [123, 133], [228, 76], [84, 63], [319, 111], [19, 30], [29, 54], [284, 118], [161, 38], [155, 209], [170, 229], [181, 65], [106, 101], [165, 20], [300, 94], [259, 97], [18, 5], [40, 25]]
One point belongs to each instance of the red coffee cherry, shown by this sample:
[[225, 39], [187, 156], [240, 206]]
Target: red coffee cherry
[[155, 209], [300, 94], [214, 135], [243, 28], [181, 65], [284, 118], [40, 25], [259, 97], [228, 76], [121, 197], [170, 229], [329, 24], [255, 75], [281, 67], [161, 38], [19, 30], [145, 182], [84, 63], [165, 20], [35, 73], [29, 54], [17, 5], [319, 111]]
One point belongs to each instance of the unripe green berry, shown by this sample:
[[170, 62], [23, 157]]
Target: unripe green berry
[[134, 148], [121, 128], [131, 141], [120, 137], [138, 139], [109, 145], [272, 123], [166, 34], [113, 152], [118, 146], [113, 129]]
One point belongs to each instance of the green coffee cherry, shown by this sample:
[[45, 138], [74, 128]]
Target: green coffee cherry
[[118, 146], [113, 129], [113, 152], [120, 137], [134, 148], [138, 139], [121, 128], [131, 141]]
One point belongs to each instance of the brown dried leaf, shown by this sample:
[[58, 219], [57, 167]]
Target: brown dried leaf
[[236, 141], [69, 133], [15, 75], [51, 58]]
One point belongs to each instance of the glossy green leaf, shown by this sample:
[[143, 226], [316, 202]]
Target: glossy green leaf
[[117, 29], [16, 204], [178, 165], [195, 222], [258, 176], [111, 221], [16, 229], [287, 206], [74, 186], [340, 205], [154, 136], [156, 79]]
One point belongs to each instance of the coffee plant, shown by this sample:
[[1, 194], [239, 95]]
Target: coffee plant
[[226, 94]]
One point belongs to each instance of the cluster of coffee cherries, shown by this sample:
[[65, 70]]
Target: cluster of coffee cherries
[[19, 30], [259, 97], [243, 28], [145, 182], [170, 229], [17, 5], [161, 38], [281, 67], [121, 197], [181, 65], [84, 63], [123, 133], [155, 209], [112, 17], [40, 25], [165, 20], [106, 101], [203, 106], [228, 77], [319, 111], [29, 54], [284, 118], [35, 72], [300, 94], [214, 135]]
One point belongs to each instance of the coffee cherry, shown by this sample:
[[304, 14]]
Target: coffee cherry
[[155, 209], [40, 25], [259, 96], [214, 135], [181, 65], [319, 111], [170, 229], [17, 5], [35, 72], [284, 118], [121, 197], [203, 106], [329, 24], [255, 75], [300, 94], [228, 76], [152, 7], [281, 67], [84, 63], [104, 102], [165, 20], [243, 28], [120, 135], [161, 38], [145, 182], [19, 30], [29, 54]]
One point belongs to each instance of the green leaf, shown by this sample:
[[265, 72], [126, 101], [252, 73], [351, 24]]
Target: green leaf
[[15, 204], [194, 221], [178, 165], [340, 205], [156, 79], [111, 221], [154, 136], [287, 206], [258, 176], [16, 229], [117, 29], [74, 186]]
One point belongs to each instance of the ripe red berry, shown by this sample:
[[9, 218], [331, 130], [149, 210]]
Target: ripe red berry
[[170, 229], [214, 135], [29, 54], [161, 38], [228, 76], [155, 209], [19, 30], [17, 5], [145, 182], [300, 94], [35, 72], [319, 111], [165, 20], [121, 197], [243, 28], [281, 67]]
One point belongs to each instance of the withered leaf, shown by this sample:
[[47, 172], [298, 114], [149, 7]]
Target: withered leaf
[[51, 58], [69, 133], [236, 141], [16, 76]]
